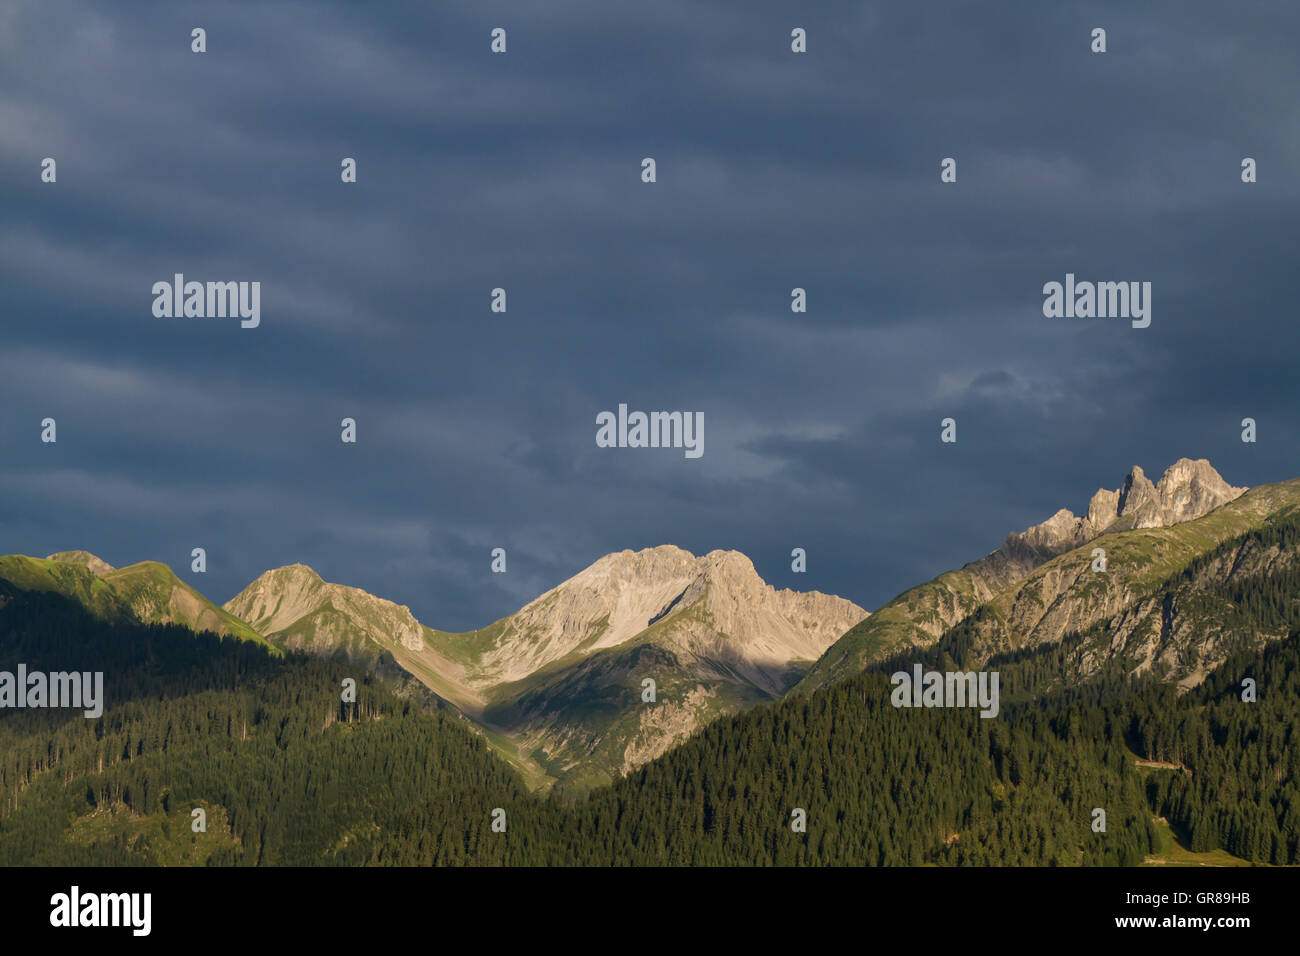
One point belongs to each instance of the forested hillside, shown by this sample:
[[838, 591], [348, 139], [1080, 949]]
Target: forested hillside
[[286, 772], [289, 774]]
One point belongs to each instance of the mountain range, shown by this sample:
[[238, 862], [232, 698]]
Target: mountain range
[[559, 688]]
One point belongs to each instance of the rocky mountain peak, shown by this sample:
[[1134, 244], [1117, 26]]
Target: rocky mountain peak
[[707, 629], [1138, 496], [1103, 506], [622, 594], [623, 567], [1060, 529], [280, 598], [732, 568], [293, 572], [1188, 489]]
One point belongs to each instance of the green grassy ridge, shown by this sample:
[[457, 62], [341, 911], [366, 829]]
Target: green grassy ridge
[[466, 648], [1242, 798], [148, 591], [154, 585], [71, 580]]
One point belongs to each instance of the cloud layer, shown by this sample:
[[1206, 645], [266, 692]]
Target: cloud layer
[[775, 170]]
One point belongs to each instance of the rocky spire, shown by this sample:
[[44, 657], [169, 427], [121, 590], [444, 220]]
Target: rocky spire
[[1188, 489]]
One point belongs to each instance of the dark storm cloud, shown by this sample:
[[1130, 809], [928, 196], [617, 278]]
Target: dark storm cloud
[[522, 171]]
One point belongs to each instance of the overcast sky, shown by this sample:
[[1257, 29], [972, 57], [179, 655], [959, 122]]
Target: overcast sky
[[476, 430]]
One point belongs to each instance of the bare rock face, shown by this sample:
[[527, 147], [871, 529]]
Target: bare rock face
[[1138, 499], [602, 606], [97, 566], [1061, 529], [662, 728], [762, 631], [1173, 633], [747, 622], [1102, 508]]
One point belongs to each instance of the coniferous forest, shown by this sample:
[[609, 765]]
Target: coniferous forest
[[287, 774]]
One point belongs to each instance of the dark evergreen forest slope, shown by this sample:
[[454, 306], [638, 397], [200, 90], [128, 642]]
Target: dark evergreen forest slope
[[289, 774]]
